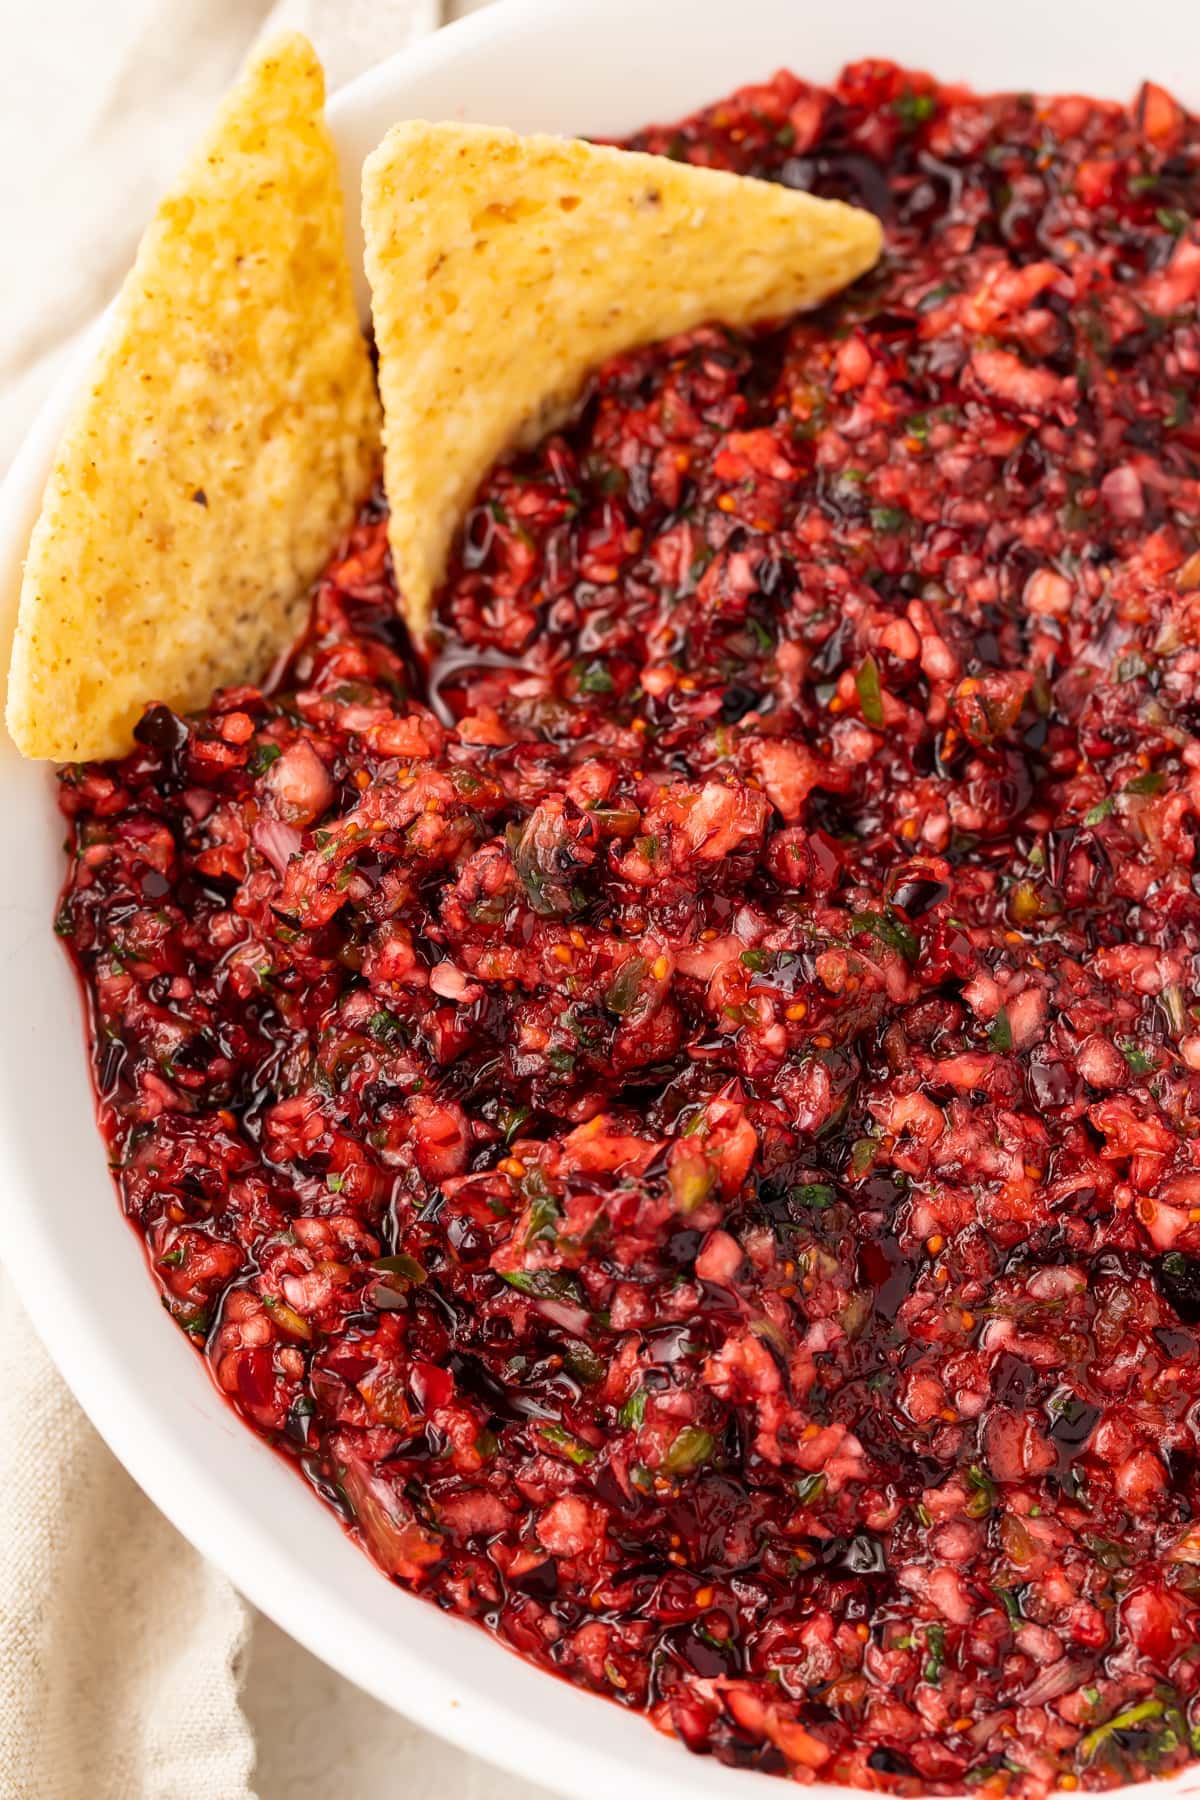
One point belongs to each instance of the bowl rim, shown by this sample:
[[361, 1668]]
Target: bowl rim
[[538, 1742]]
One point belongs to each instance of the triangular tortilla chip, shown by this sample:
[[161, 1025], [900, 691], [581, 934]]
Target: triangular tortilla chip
[[230, 429], [504, 268]]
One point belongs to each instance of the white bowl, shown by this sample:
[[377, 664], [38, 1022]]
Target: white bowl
[[602, 66]]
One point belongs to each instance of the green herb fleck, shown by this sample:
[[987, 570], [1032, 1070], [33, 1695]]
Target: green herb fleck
[[983, 1492], [691, 1447], [584, 1363], [286, 1316], [593, 678], [1140, 1061], [401, 1264], [1133, 1715], [914, 109], [543, 1284], [1172, 220], [511, 1121], [386, 1028], [634, 1410], [622, 992], [862, 1155], [570, 1447], [890, 930], [870, 692], [1011, 1605], [543, 1217], [812, 1193], [1108, 1554]]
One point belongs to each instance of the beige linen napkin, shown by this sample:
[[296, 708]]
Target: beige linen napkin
[[121, 1651], [129, 1668]]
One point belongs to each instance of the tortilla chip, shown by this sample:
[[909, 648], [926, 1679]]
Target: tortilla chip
[[504, 268], [230, 430]]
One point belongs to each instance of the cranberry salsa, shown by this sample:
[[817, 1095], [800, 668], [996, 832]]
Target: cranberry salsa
[[683, 1117]]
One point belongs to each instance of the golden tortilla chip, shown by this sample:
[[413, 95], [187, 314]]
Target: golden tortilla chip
[[230, 429], [504, 268]]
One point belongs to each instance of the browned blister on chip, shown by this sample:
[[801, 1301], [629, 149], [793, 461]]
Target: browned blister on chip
[[229, 430], [504, 268]]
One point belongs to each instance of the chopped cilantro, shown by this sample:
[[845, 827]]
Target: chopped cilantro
[[570, 1447], [261, 758], [543, 1284], [983, 1492], [862, 1155], [401, 1264], [1172, 220], [870, 692], [890, 930], [543, 1217], [622, 992], [593, 678], [385, 1027], [634, 1410], [690, 1447], [914, 109], [1133, 1715], [812, 1193]]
